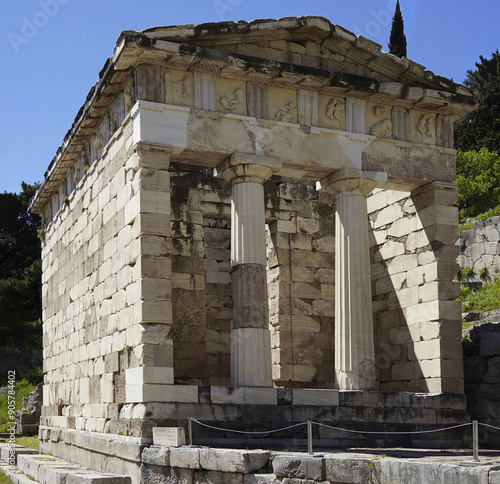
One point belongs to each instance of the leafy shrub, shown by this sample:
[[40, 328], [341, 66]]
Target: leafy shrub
[[484, 298], [478, 181], [23, 389]]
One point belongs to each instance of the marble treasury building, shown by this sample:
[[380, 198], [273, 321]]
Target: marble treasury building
[[251, 224]]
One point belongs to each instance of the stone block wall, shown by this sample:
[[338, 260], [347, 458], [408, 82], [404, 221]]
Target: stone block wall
[[87, 257], [482, 379], [416, 320], [300, 280], [107, 289], [480, 247], [301, 287]]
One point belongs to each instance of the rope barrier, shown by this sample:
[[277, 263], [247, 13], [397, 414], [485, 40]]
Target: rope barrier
[[334, 428], [309, 423], [247, 432], [488, 425], [392, 433]]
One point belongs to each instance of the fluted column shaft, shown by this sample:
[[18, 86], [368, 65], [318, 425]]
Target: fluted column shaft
[[354, 339], [250, 336]]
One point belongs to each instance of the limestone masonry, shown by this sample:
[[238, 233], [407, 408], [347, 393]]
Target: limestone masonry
[[250, 215]]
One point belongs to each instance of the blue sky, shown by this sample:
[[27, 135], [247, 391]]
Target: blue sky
[[51, 52]]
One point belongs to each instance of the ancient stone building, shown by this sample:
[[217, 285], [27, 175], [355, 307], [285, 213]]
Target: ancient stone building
[[250, 217]]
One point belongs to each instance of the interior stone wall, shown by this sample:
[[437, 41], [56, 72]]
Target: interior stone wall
[[301, 243], [301, 253], [482, 379]]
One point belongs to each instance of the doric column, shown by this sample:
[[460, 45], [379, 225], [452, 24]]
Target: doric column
[[250, 336], [354, 341]]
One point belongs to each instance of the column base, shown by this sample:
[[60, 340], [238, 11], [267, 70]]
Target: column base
[[251, 357], [360, 378]]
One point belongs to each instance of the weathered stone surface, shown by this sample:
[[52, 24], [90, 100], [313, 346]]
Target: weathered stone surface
[[260, 479], [344, 470], [239, 461], [156, 455], [186, 458], [299, 467], [490, 346]]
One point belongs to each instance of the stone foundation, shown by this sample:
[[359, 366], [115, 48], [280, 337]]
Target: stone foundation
[[267, 409]]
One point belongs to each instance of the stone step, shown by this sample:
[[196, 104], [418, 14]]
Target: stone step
[[35, 468]]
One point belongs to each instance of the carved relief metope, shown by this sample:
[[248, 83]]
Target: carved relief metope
[[335, 110], [425, 126], [382, 128], [287, 114], [186, 87], [231, 100]]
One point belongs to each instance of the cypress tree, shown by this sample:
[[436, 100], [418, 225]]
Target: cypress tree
[[397, 40]]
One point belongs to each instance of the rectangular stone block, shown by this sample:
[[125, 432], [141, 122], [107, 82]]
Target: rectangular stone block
[[227, 395], [169, 436], [433, 311], [84, 390], [348, 470], [145, 375], [494, 477], [302, 466], [260, 396], [408, 370], [153, 311], [233, 460], [152, 224], [9, 453], [185, 458], [305, 396], [435, 349], [107, 388], [438, 214], [402, 263], [439, 290], [152, 267], [305, 290], [420, 275], [156, 455], [161, 393]]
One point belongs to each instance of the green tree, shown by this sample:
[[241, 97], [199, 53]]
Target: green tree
[[481, 127], [397, 39], [478, 181], [20, 272]]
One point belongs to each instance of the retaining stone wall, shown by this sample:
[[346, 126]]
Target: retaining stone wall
[[482, 379], [480, 247]]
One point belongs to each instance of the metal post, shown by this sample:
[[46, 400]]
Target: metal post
[[190, 430], [475, 440], [309, 438]]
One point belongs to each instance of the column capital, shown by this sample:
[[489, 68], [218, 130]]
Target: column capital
[[348, 180], [244, 167]]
